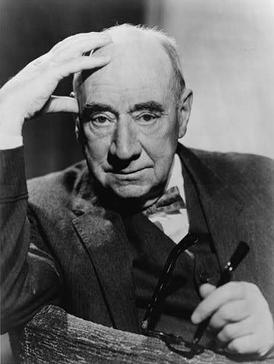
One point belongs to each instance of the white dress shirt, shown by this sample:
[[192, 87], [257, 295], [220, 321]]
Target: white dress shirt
[[175, 226]]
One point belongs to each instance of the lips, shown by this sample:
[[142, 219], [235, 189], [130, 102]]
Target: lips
[[126, 172], [129, 175], [130, 172]]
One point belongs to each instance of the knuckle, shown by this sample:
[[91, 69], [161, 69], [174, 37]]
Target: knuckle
[[244, 289], [232, 285], [94, 34], [237, 347], [254, 297], [57, 45], [64, 41], [234, 288], [241, 346], [72, 37], [253, 287], [260, 350], [40, 60], [228, 331], [250, 288], [215, 321], [225, 312], [249, 345]]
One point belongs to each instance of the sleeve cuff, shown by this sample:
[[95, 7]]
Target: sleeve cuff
[[12, 174]]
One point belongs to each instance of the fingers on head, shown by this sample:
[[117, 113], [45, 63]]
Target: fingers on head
[[80, 43], [82, 63], [61, 104]]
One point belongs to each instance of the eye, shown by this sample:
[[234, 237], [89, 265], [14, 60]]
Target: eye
[[101, 120], [147, 117]]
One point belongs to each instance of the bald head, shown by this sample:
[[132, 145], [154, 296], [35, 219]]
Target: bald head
[[142, 44]]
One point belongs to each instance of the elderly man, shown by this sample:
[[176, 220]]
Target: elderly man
[[94, 238]]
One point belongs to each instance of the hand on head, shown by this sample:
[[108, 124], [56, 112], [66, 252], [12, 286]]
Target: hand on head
[[31, 89]]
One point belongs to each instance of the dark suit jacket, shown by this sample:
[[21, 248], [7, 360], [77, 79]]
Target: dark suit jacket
[[59, 246]]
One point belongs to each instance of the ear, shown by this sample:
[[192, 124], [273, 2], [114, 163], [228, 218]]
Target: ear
[[76, 122], [77, 129], [184, 111]]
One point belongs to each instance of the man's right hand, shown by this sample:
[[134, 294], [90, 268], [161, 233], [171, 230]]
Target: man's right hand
[[31, 89]]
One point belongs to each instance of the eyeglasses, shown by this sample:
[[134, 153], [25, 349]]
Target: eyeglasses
[[173, 342]]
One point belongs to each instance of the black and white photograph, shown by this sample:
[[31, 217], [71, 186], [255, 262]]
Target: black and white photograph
[[137, 181]]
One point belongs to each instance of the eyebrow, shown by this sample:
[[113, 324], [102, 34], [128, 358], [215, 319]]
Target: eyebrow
[[149, 105], [100, 107], [95, 107]]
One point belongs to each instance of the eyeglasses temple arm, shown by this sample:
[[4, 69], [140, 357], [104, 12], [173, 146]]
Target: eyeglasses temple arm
[[158, 294]]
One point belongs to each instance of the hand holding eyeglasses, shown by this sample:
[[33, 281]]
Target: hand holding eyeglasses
[[237, 311], [240, 314]]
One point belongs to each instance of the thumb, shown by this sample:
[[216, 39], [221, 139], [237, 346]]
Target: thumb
[[206, 289], [61, 104]]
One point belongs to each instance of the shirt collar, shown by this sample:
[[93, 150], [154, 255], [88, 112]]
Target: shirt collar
[[176, 176]]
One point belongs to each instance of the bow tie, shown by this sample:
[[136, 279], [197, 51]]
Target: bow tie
[[170, 202]]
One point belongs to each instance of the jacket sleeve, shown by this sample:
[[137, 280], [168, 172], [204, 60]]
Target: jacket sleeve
[[29, 274]]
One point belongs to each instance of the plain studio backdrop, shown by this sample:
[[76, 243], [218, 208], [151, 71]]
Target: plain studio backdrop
[[227, 50]]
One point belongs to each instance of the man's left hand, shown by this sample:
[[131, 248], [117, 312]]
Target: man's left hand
[[240, 315]]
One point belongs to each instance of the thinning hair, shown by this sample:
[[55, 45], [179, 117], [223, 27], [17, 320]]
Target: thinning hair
[[167, 42]]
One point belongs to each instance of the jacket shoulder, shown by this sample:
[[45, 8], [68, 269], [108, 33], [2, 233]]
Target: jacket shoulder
[[56, 190], [249, 173], [243, 163]]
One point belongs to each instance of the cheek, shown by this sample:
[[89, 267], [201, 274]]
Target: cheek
[[161, 150], [97, 150], [162, 143]]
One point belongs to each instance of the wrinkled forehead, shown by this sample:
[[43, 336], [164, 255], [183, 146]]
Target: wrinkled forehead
[[139, 65]]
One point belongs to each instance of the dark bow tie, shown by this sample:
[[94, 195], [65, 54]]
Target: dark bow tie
[[170, 202]]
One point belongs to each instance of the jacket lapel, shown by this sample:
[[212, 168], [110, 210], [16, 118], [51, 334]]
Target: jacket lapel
[[236, 208], [103, 236], [222, 208]]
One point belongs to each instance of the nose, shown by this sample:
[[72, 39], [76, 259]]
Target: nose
[[125, 144]]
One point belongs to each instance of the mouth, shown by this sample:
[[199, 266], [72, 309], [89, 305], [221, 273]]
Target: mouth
[[129, 174], [129, 171]]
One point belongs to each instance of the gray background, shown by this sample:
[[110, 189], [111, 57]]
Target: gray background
[[227, 49]]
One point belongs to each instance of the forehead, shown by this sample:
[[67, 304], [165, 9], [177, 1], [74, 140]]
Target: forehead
[[139, 70]]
